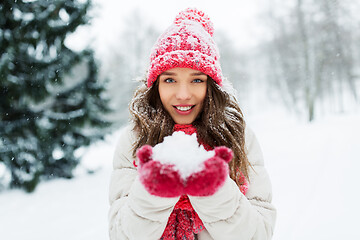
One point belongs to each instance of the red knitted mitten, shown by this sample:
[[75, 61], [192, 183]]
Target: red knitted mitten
[[158, 179], [213, 175]]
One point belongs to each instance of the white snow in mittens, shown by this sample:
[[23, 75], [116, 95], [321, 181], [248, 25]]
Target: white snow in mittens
[[183, 151]]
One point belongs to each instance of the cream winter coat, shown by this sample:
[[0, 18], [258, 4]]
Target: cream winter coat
[[228, 214]]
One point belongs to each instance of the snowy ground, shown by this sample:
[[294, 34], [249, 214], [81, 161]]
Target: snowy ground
[[314, 171], [313, 168]]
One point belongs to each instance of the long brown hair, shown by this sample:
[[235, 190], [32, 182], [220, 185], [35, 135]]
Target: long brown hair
[[220, 123]]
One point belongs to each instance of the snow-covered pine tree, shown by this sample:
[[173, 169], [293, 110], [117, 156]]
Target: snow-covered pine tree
[[51, 101]]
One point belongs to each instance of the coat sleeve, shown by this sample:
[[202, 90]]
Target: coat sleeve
[[134, 213], [228, 214]]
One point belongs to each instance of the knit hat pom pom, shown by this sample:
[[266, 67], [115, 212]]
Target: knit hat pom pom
[[198, 16]]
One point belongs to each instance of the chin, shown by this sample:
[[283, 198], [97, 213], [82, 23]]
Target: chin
[[184, 121]]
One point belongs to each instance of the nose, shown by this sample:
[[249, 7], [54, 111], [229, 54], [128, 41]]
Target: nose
[[183, 92]]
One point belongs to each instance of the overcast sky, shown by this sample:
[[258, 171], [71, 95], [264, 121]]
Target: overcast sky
[[242, 20]]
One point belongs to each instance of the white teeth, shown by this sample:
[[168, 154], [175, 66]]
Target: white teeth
[[183, 108]]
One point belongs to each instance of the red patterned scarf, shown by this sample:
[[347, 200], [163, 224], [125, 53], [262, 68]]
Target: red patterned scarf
[[183, 222]]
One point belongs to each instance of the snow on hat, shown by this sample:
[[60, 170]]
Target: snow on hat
[[187, 43]]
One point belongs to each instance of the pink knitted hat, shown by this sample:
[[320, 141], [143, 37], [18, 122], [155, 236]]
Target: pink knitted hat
[[187, 43]]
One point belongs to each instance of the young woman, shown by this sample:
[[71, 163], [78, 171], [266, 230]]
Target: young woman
[[184, 91]]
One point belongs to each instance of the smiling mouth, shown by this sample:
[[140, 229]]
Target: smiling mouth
[[184, 108]]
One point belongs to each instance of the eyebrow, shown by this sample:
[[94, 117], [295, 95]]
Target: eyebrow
[[198, 74], [173, 74]]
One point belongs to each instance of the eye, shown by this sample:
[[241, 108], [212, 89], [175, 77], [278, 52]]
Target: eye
[[198, 80], [169, 80]]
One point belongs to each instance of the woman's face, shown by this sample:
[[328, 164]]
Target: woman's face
[[182, 93]]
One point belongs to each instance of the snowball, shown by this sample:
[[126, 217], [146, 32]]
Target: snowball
[[183, 151]]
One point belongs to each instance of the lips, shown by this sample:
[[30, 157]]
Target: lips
[[184, 109]]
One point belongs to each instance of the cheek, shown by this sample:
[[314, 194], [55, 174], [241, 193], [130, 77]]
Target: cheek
[[201, 98], [202, 94], [164, 96]]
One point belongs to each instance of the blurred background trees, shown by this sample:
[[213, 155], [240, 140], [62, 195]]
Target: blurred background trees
[[126, 64], [313, 54], [51, 100]]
